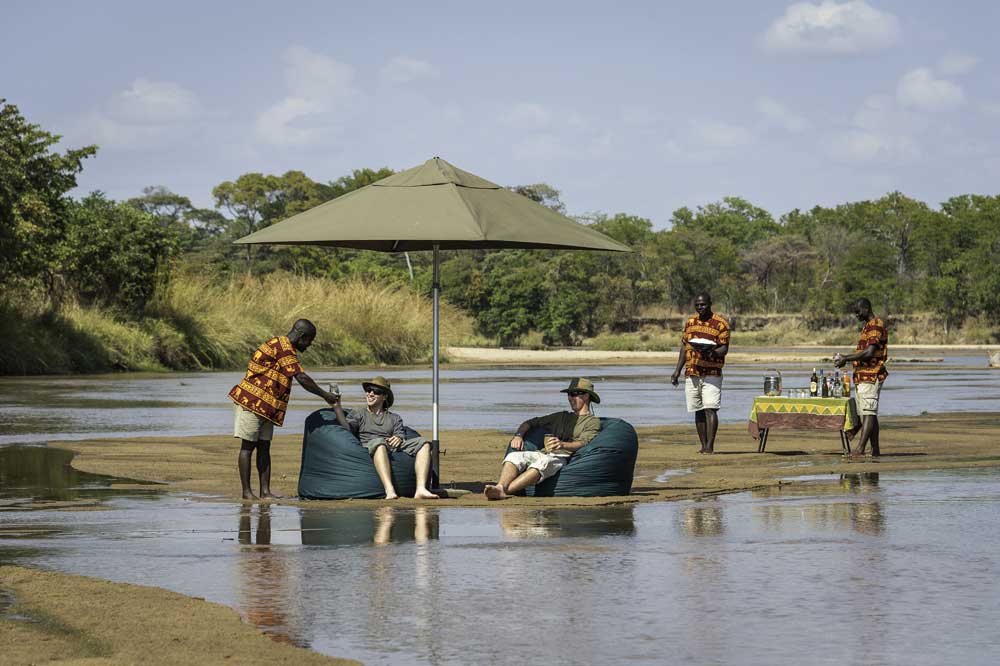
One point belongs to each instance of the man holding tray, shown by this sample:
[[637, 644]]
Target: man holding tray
[[704, 345]]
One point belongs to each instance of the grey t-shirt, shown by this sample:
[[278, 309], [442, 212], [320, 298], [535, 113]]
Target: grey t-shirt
[[367, 426]]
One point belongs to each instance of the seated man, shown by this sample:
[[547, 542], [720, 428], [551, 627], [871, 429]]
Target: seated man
[[378, 429], [567, 432]]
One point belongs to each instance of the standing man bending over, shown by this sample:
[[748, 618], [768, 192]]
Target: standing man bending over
[[378, 430], [261, 400], [869, 359], [568, 432], [703, 368]]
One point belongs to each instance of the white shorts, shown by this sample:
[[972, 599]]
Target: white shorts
[[546, 463], [866, 396], [250, 426], [703, 393]]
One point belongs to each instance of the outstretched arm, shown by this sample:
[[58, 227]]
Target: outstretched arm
[[863, 355], [307, 382]]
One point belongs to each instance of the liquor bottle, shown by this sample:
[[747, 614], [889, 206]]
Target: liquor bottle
[[823, 386], [847, 385], [813, 384]]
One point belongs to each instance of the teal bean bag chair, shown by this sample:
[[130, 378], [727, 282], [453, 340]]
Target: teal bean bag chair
[[603, 467], [336, 466]]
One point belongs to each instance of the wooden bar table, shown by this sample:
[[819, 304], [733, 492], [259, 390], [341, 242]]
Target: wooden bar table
[[768, 412]]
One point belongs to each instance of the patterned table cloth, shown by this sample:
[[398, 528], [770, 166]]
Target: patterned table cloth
[[802, 414]]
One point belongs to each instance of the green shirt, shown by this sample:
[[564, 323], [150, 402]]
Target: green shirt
[[567, 426]]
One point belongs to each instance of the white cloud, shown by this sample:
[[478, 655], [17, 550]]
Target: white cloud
[[858, 145], [402, 69], [322, 99], [146, 115], [955, 64], [918, 89], [778, 114], [527, 115], [712, 134], [832, 28]]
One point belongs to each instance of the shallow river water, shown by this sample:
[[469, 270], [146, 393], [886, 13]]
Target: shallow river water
[[852, 569], [36, 409]]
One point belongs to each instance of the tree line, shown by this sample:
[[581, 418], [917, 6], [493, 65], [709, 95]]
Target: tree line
[[900, 252]]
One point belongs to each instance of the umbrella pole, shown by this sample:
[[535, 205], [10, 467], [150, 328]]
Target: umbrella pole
[[435, 443]]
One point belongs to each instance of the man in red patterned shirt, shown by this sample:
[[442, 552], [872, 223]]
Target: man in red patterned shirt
[[702, 365], [869, 360], [261, 399]]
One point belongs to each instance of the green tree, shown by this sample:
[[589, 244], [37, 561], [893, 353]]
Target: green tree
[[34, 182], [115, 254], [733, 219]]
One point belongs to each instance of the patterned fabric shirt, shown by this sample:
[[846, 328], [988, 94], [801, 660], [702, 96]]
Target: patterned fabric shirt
[[873, 370], [568, 427], [268, 382], [715, 329]]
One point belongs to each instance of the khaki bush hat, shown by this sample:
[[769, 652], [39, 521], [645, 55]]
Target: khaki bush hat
[[585, 385], [382, 383]]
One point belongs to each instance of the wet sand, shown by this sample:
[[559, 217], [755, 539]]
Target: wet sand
[[110, 623], [72, 619], [206, 465]]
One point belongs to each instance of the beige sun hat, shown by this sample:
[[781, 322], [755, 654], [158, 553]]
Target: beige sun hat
[[585, 385], [382, 383]]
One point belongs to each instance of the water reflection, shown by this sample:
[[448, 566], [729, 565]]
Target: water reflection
[[384, 525], [30, 474], [805, 502], [542, 523], [265, 595], [703, 519]]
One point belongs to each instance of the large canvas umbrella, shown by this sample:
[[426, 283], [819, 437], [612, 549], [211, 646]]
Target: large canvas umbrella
[[434, 206]]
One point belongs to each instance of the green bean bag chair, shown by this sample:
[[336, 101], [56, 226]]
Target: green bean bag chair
[[336, 466], [603, 467]]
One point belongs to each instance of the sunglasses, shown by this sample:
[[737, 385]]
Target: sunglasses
[[376, 390], [577, 394]]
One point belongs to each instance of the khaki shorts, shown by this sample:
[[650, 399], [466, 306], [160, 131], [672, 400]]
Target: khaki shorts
[[703, 393], [546, 463], [410, 447], [250, 426], [866, 396]]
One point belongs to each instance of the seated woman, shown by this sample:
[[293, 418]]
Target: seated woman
[[378, 430]]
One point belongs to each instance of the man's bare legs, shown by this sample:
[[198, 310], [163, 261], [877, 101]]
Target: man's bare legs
[[263, 467], [511, 482], [422, 466], [711, 428], [706, 421], [869, 433], [384, 471]]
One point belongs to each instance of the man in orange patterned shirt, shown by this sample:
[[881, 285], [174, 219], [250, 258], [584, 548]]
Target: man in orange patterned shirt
[[261, 399], [869, 359], [703, 368]]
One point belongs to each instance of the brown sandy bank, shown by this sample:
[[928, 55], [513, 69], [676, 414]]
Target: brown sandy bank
[[798, 354], [77, 620], [471, 458]]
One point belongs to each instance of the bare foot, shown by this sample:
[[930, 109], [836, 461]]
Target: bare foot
[[391, 496], [247, 497], [424, 494], [495, 492], [270, 495]]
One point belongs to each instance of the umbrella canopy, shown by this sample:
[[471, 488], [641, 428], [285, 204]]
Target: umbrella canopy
[[434, 206]]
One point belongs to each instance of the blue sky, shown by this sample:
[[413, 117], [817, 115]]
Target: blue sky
[[640, 108]]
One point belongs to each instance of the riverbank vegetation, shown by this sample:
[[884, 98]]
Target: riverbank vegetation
[[92, 284]]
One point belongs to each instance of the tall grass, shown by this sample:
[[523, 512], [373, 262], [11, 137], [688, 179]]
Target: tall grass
[[196, 323]]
